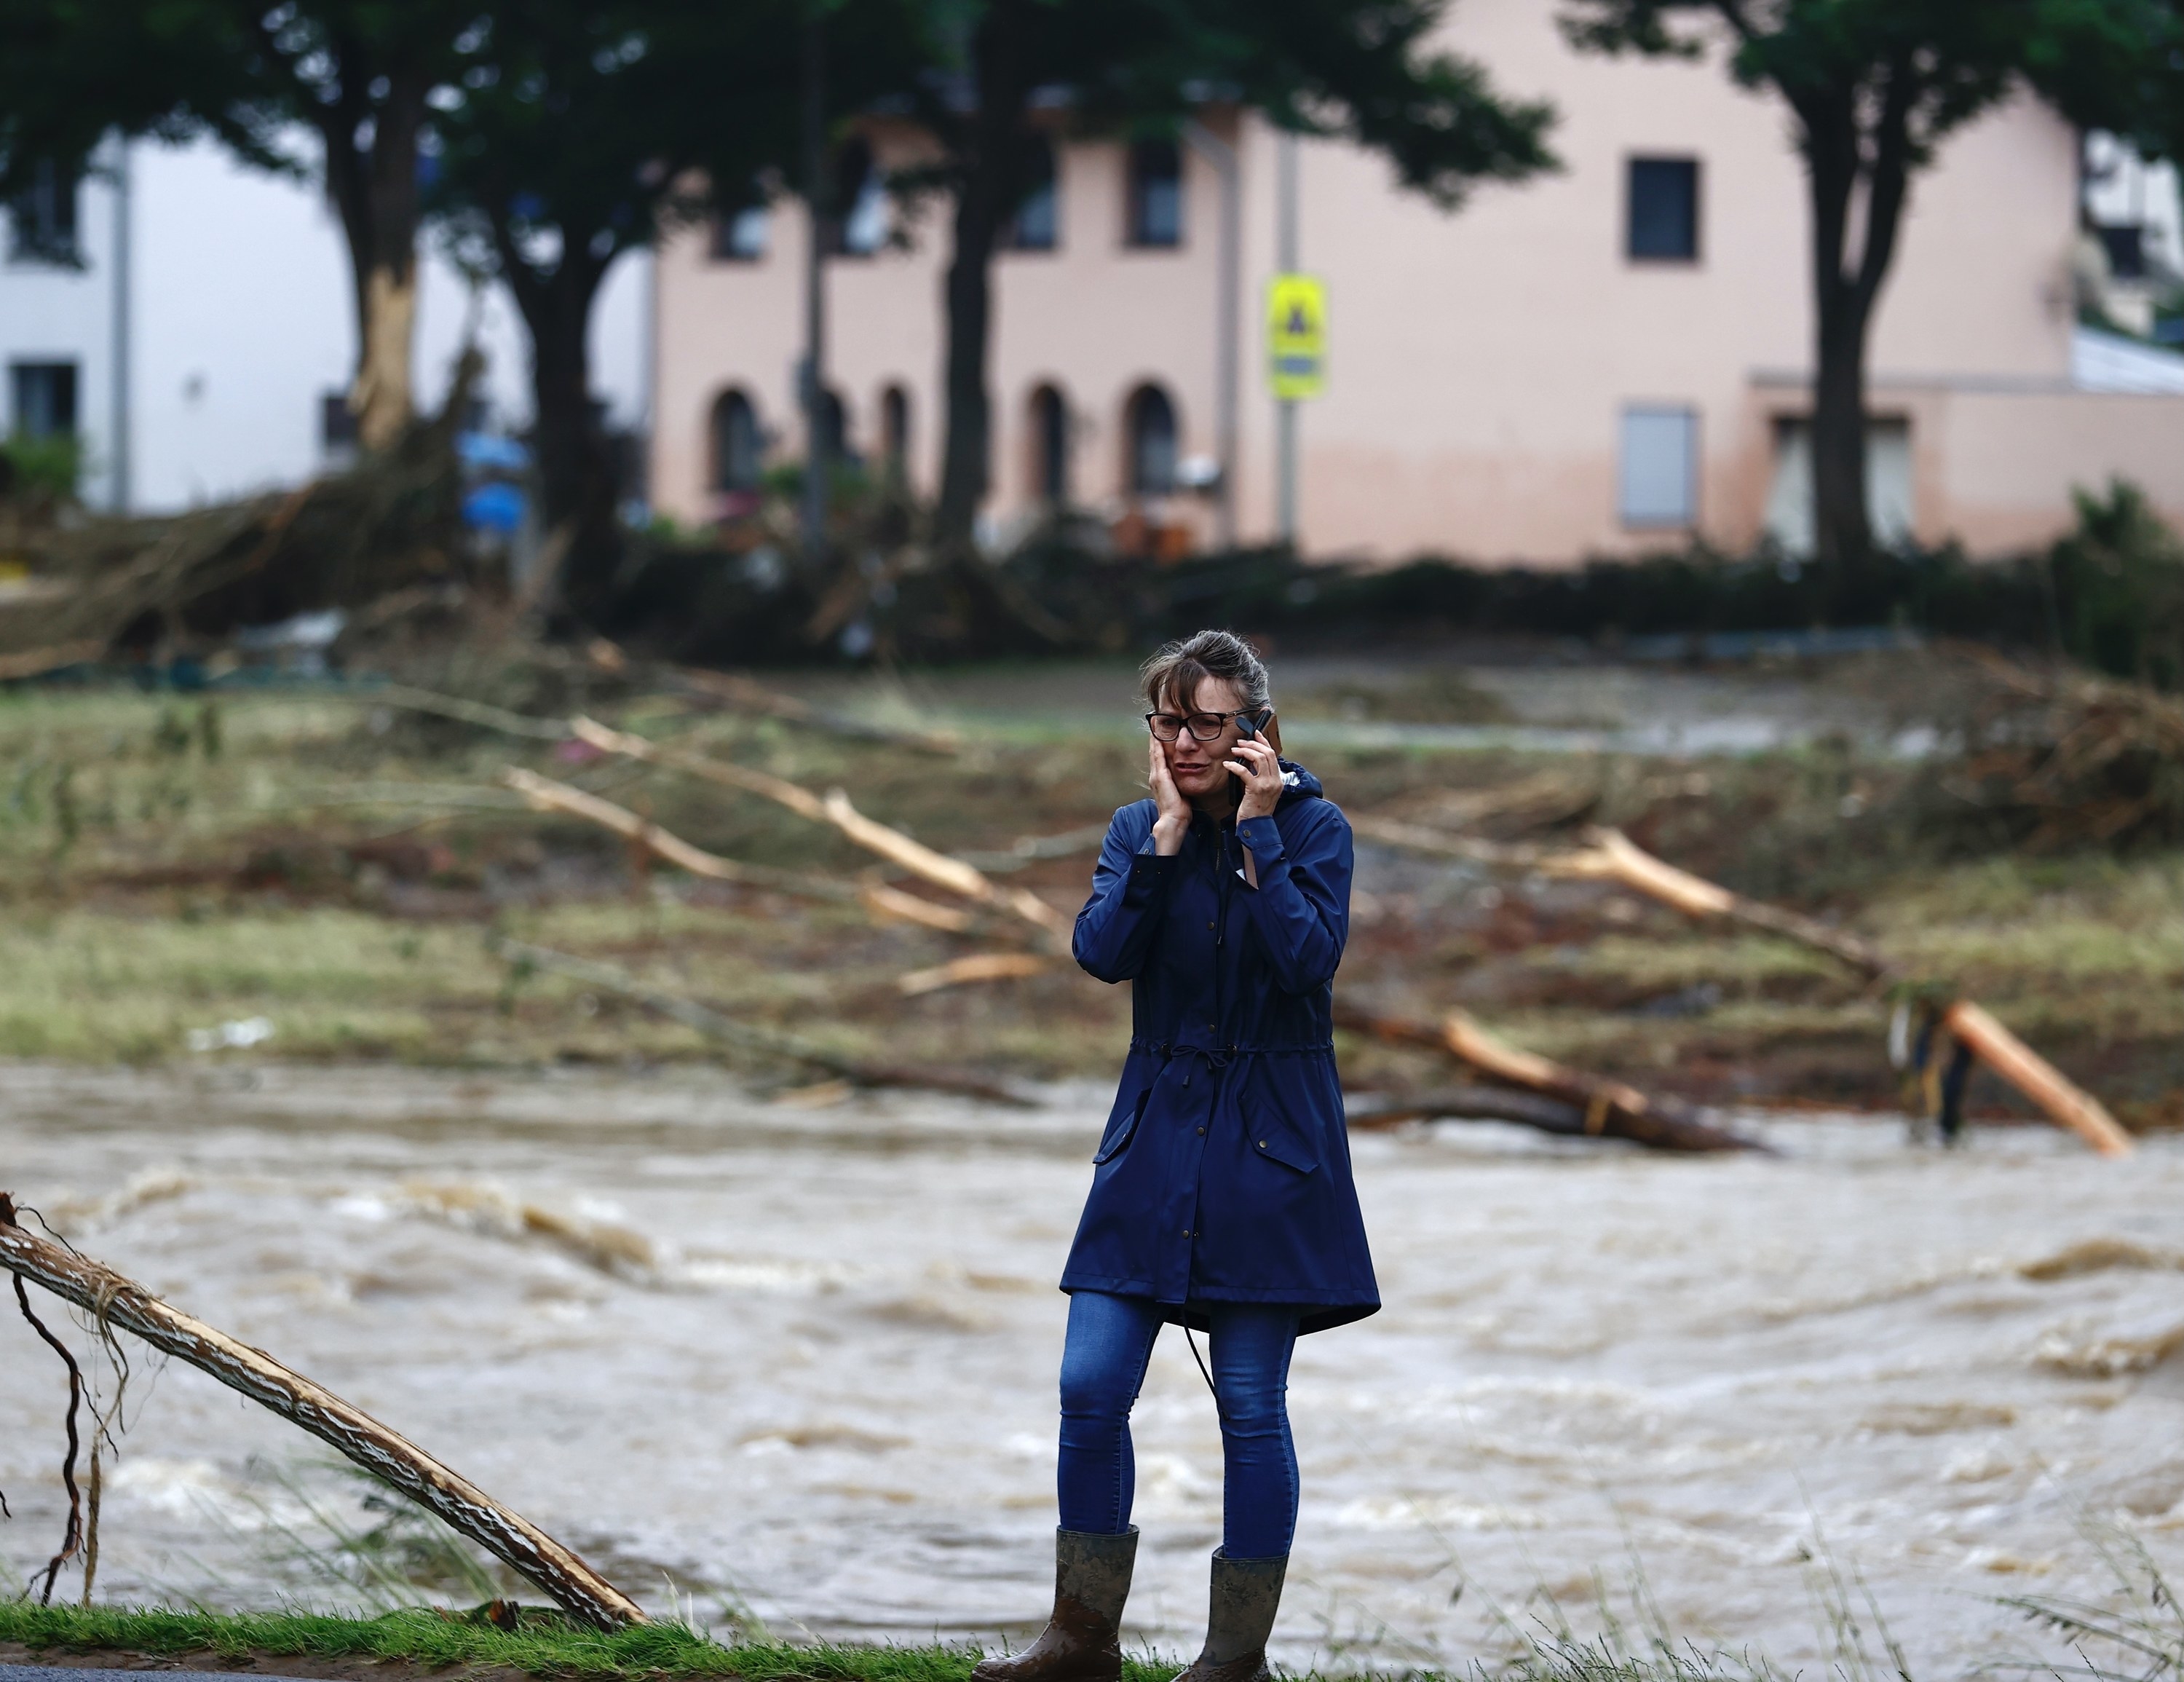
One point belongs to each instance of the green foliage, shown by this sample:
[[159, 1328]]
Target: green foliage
[[41, 473], [2119, 589]]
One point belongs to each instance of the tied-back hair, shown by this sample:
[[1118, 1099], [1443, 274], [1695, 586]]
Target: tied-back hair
[[1177, 669]]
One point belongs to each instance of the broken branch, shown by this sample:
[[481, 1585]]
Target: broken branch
[[383, 1453], [978, 966], [1465, 1103], [965, 881], [747, 1037], [542, 794], [1614, 856], [1608, 1108]]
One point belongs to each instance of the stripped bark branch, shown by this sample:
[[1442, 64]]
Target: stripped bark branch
[[965, 881], [383, 1453], [543, 793], [1608, 1109], [976, 967], [747, 1037]]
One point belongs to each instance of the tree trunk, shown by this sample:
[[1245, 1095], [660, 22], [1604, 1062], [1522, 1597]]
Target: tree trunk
[[375, 188], [986, 170], [576, 468], [1841, 530], [1844, 152]]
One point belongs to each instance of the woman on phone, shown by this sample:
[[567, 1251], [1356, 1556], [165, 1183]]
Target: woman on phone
[[1222, 1195]]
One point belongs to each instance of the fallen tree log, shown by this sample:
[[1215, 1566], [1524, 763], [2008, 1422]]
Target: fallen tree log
[[1614, 856], [1370, 1110], [543, 793], [748, 1037], [1611, 856], [1609, 1109], [965, 881], [385, 1453]]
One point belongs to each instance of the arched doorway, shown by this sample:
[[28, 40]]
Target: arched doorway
[[1148, 431], [738, 444], [895, 434], [1050, 447]]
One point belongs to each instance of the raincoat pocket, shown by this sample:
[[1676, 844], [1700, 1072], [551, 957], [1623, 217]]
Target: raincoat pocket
[[1121, 1130], [1277, 1144]]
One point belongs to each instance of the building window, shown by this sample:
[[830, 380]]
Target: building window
[[1663, 220], [41, 218], [1037, 224], [740, 236], [1889, 506], [895, 434], [337, 434], [2124, 244], [1657, 481], [1050, 447], [738, 445], [857, 226], [42, 397], [1149, 425], [1155, 195]]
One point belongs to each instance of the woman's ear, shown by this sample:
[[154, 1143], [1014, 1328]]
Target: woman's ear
[[1272, 731]]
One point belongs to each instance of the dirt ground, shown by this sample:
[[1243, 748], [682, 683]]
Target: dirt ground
[[310, 873]]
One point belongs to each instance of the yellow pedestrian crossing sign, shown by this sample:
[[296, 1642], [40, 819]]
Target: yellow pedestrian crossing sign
[[1297, 336]]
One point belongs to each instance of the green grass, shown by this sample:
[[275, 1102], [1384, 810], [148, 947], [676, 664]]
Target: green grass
[[542, 1645]]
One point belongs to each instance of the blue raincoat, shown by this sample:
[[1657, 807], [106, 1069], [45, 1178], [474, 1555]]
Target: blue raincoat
[[1225, 1175]]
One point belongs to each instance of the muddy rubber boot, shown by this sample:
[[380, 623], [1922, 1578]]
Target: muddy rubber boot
[[1083, 1641], [1247, 1593]]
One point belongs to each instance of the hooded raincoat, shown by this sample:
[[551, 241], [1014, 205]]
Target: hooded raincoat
[[1223, 1175]]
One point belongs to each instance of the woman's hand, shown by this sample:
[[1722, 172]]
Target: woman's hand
[[1172, 818], [1261, 768]]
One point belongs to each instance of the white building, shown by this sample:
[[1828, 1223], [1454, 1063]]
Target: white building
[[190, 320]]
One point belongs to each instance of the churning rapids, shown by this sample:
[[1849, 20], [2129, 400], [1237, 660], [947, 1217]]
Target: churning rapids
[[800, 1360]]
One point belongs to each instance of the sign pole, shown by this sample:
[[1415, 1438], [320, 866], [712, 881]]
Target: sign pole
[[1285, 408]]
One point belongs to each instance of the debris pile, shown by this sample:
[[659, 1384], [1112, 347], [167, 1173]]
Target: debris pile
[[2052, 762]]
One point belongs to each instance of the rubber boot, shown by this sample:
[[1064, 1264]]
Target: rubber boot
[[1083, 1641], [1247, 1593]]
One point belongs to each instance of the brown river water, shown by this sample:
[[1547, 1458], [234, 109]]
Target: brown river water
[[800, 1360]]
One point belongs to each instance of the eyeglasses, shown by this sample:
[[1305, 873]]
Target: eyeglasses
[[1204, 726]]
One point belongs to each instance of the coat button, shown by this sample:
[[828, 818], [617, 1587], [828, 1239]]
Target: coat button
[[1186, 1231], [1262, 1144], [1202, 1133]]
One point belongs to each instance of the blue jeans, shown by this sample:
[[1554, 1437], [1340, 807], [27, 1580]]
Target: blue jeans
[[1103, 1365]]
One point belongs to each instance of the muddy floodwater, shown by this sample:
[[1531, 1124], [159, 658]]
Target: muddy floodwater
[[798, 1359]]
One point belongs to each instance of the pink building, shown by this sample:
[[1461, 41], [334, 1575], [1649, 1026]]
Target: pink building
[[1601, 361]]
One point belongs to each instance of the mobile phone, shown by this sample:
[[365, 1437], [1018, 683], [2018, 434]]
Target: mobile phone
[[1248, 727]]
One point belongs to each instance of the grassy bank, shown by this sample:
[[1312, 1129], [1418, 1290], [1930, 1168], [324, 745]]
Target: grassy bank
[[326, 869]]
